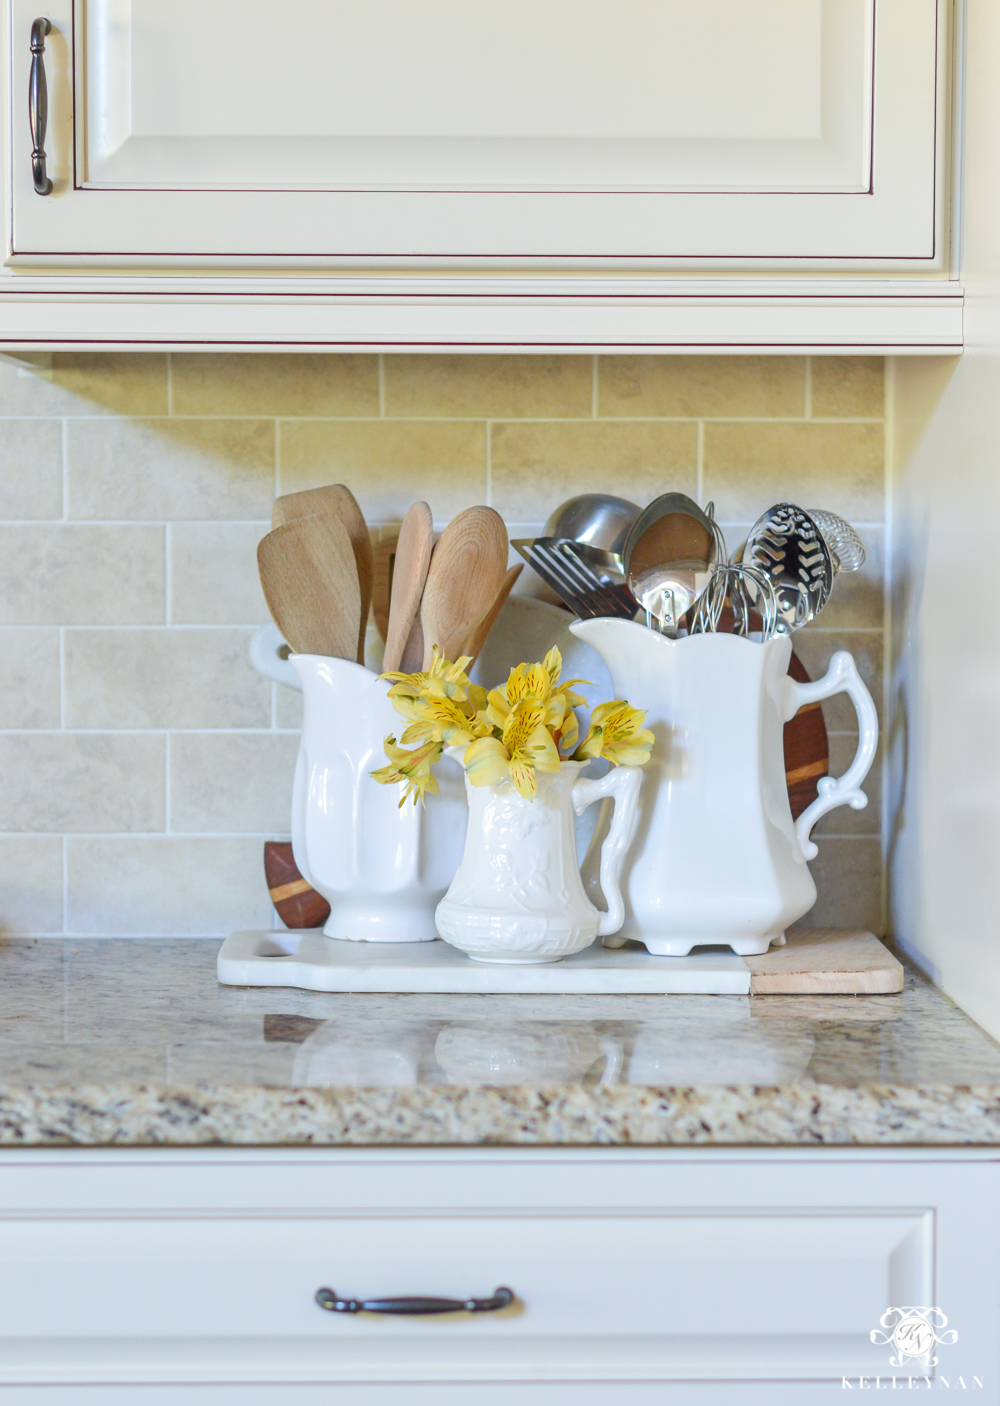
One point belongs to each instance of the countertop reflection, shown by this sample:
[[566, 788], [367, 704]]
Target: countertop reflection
[[105, 1040]]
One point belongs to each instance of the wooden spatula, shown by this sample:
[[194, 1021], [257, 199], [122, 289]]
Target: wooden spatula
[[310, 582], [466, 572], [312, 500], [475, 644], [336, 497], [409, 573]]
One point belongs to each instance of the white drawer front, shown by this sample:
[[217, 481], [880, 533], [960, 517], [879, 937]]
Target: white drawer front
[[625, 1296]]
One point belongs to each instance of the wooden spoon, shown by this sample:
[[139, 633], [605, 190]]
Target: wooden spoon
[[336, 497], [409, 573], [413, 655], [466, 572], [310, 581], [475, 644]]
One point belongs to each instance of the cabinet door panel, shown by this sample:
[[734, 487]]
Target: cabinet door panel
[[650, 1296], [323, 133], [326, 93]]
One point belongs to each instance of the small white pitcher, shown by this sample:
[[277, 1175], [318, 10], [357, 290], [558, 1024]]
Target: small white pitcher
[[518, 896], [381, 868], [717, 858]]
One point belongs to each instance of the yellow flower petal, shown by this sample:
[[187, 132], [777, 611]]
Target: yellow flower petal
[[486, 762], [524, 717], [540, 751], [523, 777]]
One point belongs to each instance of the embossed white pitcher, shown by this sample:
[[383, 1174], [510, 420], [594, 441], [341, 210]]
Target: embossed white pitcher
[[381, 868], [717, 858], [518, 896]]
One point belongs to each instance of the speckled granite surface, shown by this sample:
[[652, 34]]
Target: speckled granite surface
[[133, 1043]]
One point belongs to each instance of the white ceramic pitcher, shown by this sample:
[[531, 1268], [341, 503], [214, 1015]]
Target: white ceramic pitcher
[[717, 858], [381, 868], [518, 896]]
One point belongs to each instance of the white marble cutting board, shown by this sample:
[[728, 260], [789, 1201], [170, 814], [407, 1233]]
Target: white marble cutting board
[[307, 959]]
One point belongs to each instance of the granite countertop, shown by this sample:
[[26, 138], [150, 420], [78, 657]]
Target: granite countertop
[[112, 1042]]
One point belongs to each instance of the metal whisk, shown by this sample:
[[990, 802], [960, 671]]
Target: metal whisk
[[747, 588]]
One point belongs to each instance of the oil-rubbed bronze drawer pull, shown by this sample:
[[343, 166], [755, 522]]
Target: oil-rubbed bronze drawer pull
[[38, 106], [500, 1298]]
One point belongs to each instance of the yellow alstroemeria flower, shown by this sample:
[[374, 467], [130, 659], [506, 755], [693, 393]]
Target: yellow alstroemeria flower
[[438, 719], [525, 747], [413, 769], [442, 676], [541, 682], [616, 734]]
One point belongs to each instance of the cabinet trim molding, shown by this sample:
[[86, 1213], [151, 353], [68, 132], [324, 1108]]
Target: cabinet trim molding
[[442, 313]]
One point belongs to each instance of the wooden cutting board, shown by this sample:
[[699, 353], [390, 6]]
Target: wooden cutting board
[[826, 962], [807, 752]]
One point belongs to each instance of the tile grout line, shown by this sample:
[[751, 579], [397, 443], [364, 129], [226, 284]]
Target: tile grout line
[[593, 387], [381, 386], [170, 383], [808, 389], [276, 474]]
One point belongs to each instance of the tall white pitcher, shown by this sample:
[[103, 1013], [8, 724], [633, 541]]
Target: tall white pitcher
[[717, 858], [382, 869]]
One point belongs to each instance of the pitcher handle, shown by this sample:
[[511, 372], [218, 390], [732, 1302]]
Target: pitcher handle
[[622, 782], [841, 677]]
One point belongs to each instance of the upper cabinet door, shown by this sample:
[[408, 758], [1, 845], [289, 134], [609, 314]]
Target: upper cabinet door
[[482, 133]]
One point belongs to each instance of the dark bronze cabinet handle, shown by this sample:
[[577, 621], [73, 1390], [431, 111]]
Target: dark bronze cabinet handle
[[38, 106], [501, 1298]]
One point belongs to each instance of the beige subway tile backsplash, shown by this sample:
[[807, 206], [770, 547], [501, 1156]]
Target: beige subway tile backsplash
[[68, 783], [850, 386], [489, 387], [841, 468], [170, 469], [163, 678], [29, 679], [706, 386], [533, 467], [212, 383], [388, 463], [287, 707], [31, 469], [31, 884], [143, 762], [232, 782], [86, 383], [213, 573], [848, 877], [165, 885], [72, 574]]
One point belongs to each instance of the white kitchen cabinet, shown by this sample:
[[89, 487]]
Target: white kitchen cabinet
[[325, 134], [669, 1276]]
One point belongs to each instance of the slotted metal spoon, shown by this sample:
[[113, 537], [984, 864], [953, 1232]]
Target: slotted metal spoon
[[786, 544]]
